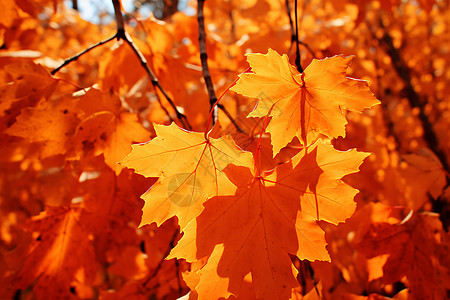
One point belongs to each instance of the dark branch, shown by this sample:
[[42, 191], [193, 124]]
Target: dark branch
[[154, 80], [123, 35], [288, 10], [297, 53], [414, 98], [307, 48], [119, 17], [76, 56], [158, 267], [75, 4], [204, 59], [227, 113], [294, 37]]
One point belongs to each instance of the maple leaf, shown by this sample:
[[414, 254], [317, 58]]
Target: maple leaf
[[302, 104], [414, 247], [105, 129], [52, 125], [190, 168], [32, 83], [113, 220], [62, 249], [271, 215], [422, 175]]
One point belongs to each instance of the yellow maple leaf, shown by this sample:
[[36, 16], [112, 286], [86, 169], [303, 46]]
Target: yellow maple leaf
[[301, 104], [190, 168]]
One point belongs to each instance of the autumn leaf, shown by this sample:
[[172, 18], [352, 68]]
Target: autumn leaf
[[52, 124], [415, 248], [271, 215], [105, 128], [62, 248], [422, 175], [302, 104], [190, 168], [31, 85], [114, 219], [74, 97]]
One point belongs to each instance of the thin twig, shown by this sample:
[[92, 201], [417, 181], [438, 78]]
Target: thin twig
[[158, 267], [227, 113], [76, 56], [294, 32], [313, 276], [205, 68], [122, 34], [204, 59], [297, 53], [307, 48], [288, 10]]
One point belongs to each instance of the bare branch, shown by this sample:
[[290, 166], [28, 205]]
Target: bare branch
[[75, 4], [414, 98], [227, 113], [307, 48], [161, 261], [297, 53], [122, 34], [76, 56], [119, 17], [288, 10], [204, 59]]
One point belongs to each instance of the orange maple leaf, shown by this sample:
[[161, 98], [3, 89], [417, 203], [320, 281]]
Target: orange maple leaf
[[416, 249], [306, 103], [190, 168], [32, 85], [105, 128], [62, 249], [272, 215], [51, 124]]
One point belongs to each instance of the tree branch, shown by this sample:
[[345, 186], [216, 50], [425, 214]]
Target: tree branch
[[307, 48], [76, 56], [297, 53], [288, 10], [119, 17], [414, 98], [123, 35], [227, 113], [205, 69], [204, 59], [158, 267]]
